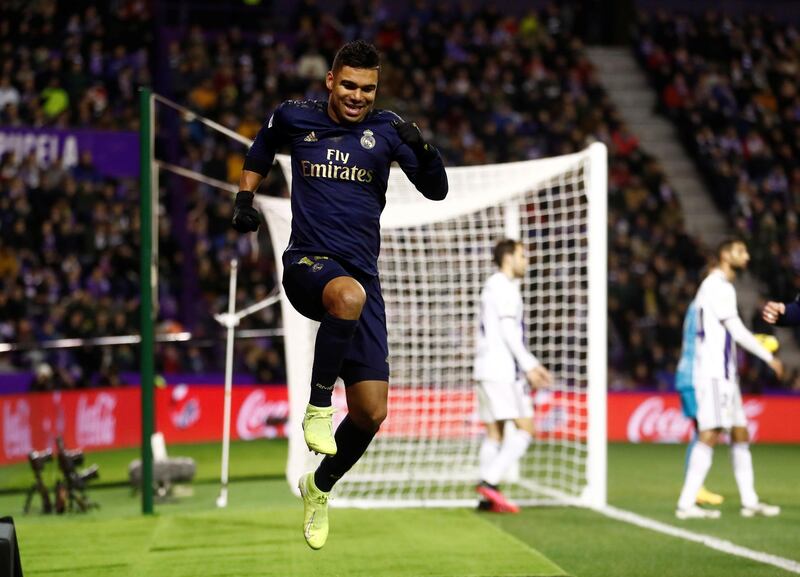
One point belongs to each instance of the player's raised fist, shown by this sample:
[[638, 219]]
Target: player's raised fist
[[245, 217], [409, 133]]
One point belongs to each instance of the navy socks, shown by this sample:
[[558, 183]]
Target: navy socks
[[351, 443], [333, 340]]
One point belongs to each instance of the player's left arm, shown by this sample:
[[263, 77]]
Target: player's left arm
[[724, 307], [751, 344], [746, 339], [423, 166]]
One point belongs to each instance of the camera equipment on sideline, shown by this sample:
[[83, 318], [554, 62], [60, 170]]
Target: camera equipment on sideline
[[38, 459], [71, 491]]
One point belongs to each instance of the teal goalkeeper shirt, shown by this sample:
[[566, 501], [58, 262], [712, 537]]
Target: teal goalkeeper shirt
[[683, 375]]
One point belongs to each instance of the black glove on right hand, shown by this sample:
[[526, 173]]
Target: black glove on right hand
[[245, 217], [409, 133]]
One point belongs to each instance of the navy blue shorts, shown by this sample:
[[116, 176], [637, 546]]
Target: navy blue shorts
[[304, 279]]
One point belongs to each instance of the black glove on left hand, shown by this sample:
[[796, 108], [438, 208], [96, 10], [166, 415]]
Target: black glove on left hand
[[245, 217], [409, 133]]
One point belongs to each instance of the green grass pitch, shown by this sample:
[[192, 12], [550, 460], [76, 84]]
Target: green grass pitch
[[260, 534]]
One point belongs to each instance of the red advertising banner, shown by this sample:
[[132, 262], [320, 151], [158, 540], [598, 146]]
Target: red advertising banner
[[657, 418], [194, 414], [111, 418], [90, 420]]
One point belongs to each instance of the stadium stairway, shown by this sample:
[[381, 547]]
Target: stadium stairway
[[630, 92]]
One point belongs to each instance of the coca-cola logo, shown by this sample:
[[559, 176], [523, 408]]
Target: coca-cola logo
[[17, 434], [259, 418], [95, 423], [653, 421]]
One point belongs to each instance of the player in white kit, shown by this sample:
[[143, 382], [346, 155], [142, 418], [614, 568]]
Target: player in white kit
[[719, 401], [505, 370]]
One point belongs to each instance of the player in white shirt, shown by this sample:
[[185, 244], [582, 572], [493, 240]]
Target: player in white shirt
[[719, 401], [504, 369]]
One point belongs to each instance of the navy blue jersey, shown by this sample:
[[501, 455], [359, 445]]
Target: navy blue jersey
[[792, 315], [339, 177]]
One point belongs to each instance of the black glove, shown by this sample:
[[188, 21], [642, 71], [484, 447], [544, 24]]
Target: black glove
[[409, 133], [245, 217]]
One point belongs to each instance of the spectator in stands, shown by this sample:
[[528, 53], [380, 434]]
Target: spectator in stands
[[737, 117], [489, 88]]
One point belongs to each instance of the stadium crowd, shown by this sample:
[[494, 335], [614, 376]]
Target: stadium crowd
[[484, 87], [730, 86]]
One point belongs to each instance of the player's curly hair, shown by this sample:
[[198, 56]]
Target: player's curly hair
[[357, 54]]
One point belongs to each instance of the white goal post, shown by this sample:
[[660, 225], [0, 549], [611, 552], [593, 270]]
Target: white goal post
[[435, 257]]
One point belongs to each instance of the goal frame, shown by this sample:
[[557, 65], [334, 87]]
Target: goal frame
[[299, 332]]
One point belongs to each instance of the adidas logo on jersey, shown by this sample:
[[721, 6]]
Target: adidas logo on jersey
[[311, 137]]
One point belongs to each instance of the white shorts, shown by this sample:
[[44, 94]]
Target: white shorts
[[502, 401], [719, 405]]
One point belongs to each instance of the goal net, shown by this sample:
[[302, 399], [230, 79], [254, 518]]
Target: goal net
[[435, 258]]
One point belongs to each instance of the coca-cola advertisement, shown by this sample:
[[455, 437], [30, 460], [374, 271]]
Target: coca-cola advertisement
[[86, 419], [188, 414], [111, 418], [17, 429], [263, 415], [657, 418]]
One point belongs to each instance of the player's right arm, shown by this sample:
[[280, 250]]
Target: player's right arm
[[257, 165]]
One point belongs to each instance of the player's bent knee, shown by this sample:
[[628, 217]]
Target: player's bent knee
[[369, 420], [344, 297]]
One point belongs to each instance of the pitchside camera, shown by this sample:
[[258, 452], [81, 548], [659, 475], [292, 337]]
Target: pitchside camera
[[88, 474], [69, 460], [37, 460], [72, 491]]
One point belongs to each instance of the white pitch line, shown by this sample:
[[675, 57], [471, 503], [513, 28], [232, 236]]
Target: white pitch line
[[707, 540]]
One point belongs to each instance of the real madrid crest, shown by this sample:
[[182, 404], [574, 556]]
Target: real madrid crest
[[367, 139]]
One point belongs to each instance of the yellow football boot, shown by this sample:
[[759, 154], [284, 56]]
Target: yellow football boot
[[706, 497], [318, 429], [315, 509]]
